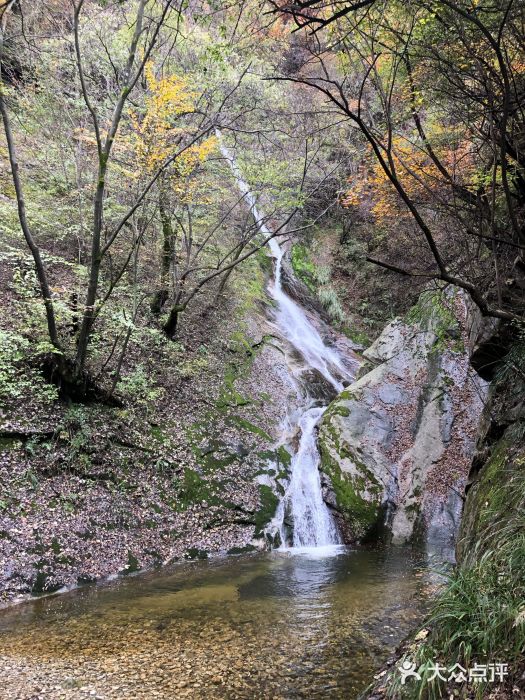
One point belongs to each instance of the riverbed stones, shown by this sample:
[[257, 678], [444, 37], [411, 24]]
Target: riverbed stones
[[213, 633], [397, 444]]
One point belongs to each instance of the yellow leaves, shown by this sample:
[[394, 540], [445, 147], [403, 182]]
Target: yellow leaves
[[196, 154], [168, 97], [159, 136], [416, 172], [186, 184], [81, 135], [156, 136]]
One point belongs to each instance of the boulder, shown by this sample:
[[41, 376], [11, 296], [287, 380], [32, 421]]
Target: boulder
[[397, 444]]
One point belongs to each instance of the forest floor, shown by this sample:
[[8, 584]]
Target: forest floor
[[88, 490]]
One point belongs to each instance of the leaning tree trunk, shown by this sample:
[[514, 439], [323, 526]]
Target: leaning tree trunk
[[40, 269], [170, 327]]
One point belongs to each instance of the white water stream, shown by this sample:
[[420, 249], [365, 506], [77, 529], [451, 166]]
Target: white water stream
[[302, 504]]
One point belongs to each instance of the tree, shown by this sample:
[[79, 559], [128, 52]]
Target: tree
[[158, 135], [435, 90], [144, 23], [41, 272]]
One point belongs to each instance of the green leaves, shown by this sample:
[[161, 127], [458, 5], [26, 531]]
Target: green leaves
[[17, 377]]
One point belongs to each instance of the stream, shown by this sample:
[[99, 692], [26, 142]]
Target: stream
[[311, 619]]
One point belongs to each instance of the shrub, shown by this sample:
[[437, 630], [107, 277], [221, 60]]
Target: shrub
[[329, 299]]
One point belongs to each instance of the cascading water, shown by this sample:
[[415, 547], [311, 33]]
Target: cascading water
[[313, 526], [302, 504], [295, 326]]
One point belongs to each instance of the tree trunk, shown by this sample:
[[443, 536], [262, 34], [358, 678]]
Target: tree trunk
[[170, 327], [94, 272], [24, 225], [73, 385], [104, 153], [161, 295]]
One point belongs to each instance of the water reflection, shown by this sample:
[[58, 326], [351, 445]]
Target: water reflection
[[278, 625]]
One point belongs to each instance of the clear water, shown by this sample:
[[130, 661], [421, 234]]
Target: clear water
[[315, 624]]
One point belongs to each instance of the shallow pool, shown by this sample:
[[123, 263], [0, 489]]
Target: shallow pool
[[312, 624]]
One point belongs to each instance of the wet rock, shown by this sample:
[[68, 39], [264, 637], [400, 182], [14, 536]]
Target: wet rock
[[300, 292], [329, 495], [316, 386]]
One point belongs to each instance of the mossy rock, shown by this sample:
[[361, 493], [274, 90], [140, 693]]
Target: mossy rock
[[303, 266], [195, 553], [192, 489], [41, 584], [285, 458], [336, 408], [495, 498], [132, 566], [356, 336], [358, 496], [242, 550], [269, 502], [248, 426]]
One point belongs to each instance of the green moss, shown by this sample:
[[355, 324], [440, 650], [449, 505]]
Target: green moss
[[494, 498], [362, 513], [269, 503], [280, 456], [157, 433], [192, 489], [336, 409], [265, 261], [194, 553], [250, 285], [250, 427], [246, 349], [285, 457], [357, 336], [348, 395], [302, 265], [434, 310], [132, 564]]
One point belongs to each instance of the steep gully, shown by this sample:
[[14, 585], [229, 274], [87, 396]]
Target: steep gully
[[303, 519], [313, 625]]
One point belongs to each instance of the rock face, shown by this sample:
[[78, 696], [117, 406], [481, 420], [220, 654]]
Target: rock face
[[397, 444], [495, 501]]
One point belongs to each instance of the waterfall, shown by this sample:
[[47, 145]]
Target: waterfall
[[302, 504], [313, 525]]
